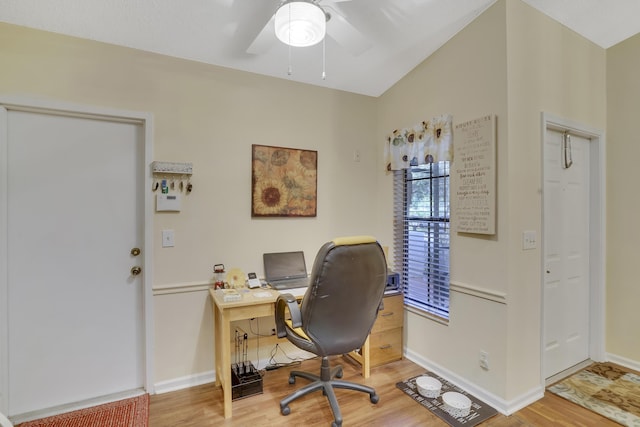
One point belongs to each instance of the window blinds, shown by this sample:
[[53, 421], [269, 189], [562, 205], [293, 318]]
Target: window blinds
[[421, 235]]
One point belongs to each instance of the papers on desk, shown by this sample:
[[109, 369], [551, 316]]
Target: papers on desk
[[229, 295], [296, 292], [262, 294]]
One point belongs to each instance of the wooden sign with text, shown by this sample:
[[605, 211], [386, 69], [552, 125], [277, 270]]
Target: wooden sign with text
[[475, 171]]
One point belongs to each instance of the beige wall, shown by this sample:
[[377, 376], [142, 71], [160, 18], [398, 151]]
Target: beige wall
[[623, 175], [467, 79], [550, 69], [514, 62], [210, 116], [511, 61]]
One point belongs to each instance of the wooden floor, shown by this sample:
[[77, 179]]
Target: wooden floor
[[202, 405]]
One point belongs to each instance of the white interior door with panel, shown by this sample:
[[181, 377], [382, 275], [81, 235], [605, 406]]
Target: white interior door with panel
[[75, 211], [566, 251]]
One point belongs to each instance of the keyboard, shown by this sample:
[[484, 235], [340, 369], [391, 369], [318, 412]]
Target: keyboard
[[290, 284], [296, 292]]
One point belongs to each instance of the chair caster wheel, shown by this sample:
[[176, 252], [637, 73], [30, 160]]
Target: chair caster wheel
[[374, 398], [292, 380], [285, 410], [334, 424], [339, 374]]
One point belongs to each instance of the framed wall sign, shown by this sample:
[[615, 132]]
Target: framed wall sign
[[283, 182], [475, 169]]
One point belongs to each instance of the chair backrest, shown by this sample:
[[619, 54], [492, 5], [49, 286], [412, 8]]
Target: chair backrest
[[346, 288]]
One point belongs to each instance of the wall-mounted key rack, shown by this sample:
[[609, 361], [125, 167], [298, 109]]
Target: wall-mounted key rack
[[172, 168], [172, 176]]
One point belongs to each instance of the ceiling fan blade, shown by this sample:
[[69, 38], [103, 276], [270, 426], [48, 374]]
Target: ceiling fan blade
[[346, 35], [251, 16], [264, 40]]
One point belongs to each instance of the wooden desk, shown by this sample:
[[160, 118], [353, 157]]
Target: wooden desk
[[254, 303]]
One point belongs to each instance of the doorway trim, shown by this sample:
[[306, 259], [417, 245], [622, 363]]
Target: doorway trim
[[597, 235], [144, 119]]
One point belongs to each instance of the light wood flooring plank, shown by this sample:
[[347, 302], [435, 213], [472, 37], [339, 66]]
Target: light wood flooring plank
[[202, 406]]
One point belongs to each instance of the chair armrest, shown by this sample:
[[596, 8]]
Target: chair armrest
[[289, 301]]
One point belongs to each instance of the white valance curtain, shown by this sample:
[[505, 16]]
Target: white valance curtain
[[429, 142]]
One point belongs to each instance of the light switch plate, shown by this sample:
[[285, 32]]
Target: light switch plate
[[168, 239]]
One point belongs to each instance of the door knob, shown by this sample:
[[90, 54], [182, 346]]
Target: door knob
[[135, 251], [135, 270]]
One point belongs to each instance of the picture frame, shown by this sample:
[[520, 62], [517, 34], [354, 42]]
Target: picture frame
[[284, 181]]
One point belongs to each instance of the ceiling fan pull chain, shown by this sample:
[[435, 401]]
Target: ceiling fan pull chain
[[324, 60], [289, 70]]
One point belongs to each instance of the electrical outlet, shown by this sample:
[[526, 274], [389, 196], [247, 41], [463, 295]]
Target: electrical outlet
[[273, 331], [484, 360], [529, 240], [356, 155]]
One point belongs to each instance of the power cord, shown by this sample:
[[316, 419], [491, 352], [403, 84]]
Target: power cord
[[273, 364], [258, 327]]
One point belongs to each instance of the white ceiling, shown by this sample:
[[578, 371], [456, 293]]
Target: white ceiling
[[371, 44]]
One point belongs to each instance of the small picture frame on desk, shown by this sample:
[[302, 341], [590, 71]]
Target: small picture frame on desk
[[253, 281]]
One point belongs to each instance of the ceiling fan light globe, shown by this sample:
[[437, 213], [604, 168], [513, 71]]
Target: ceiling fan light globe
[[300, 23]]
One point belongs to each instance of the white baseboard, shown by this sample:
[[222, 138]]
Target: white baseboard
[[623, 361], [185, 382], [525, 399], [210, 376], [61, 409], [503, 406]]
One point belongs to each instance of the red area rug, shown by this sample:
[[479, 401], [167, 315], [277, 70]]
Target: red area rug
[[132, 412]]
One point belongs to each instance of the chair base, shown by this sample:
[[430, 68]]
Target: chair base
[[326, 382]]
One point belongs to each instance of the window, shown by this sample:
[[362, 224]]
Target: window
[[421, 236]]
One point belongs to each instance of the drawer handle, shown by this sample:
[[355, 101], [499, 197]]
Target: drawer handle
[[384, 347], [387, 314]]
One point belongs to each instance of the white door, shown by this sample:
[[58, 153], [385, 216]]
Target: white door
[[74, 212], [566, 252]]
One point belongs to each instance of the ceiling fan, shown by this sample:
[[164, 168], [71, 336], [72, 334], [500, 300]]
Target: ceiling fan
[[337, 27]]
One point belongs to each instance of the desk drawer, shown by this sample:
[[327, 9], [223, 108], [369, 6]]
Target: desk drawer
[[391, 316], [385, 346]]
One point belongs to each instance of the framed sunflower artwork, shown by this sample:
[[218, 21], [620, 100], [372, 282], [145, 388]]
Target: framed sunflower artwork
[[283, 182]]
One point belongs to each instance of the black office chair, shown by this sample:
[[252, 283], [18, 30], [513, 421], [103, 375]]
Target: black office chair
[[336, 313]]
